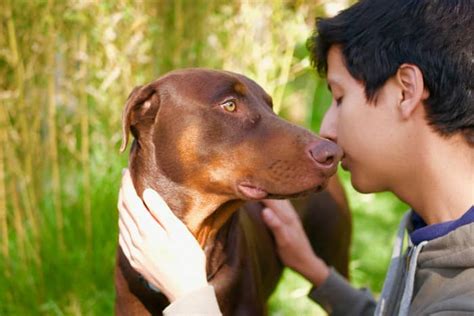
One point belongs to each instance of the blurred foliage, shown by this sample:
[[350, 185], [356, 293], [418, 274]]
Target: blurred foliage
[[66, 68]]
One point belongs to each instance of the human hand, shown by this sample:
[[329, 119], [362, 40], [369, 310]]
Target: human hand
[[293, 246], [157, 244]]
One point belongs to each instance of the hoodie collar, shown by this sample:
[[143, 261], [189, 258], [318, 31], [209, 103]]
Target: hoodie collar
[[422, 232]]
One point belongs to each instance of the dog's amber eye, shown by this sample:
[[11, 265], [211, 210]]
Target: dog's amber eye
[[229, 106]]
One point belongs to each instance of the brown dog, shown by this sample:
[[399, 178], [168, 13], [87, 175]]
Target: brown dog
[[206, 141]]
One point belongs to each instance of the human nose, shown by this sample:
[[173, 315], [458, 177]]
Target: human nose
[[329, 124]]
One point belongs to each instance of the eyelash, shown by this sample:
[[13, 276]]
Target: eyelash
[[338, 101]]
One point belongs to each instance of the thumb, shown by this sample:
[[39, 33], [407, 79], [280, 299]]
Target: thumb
[[160, 210]]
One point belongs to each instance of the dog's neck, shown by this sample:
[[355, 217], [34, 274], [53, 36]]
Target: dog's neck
[[203, 214]]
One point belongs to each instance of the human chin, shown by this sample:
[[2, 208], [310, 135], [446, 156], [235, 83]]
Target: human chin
[[363, 184]]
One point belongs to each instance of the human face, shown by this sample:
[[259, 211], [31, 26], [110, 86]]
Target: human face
[[369, 133]]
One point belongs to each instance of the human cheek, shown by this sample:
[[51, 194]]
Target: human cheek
[[348, 133]]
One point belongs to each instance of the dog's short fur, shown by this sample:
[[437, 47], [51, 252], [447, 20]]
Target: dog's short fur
[[205, 157]]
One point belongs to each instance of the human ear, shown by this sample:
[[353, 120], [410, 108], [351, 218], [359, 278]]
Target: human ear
[[410, 80]]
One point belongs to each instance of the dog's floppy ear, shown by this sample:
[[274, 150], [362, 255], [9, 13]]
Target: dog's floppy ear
[[142, 105]]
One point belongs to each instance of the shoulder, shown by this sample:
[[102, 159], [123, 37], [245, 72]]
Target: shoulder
[[445, 274]]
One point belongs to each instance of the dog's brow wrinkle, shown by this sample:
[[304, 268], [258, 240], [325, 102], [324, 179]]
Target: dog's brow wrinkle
[[240, 88], [221, 94]]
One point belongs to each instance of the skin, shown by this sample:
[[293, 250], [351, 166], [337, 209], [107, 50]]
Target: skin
[[388, 146]]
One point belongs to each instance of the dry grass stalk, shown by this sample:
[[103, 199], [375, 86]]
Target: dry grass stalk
[[20, 172], [23, 214], [20, 232], [52, 130], [21, 109], [3, 202], [85, 142]]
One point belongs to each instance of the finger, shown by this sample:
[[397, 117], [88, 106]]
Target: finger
[[278, 228], [150, 229], [134, 207], [125, 248], [129, 193], [120, 199], [283, 209], [139, 223], [272, 221], [124, 244], [161, 211], [129, 230], [124, 233], [125, 240], [125, 215], [130, 196]]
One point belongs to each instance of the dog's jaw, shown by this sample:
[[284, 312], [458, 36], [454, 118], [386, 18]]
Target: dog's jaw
[[203, 214]]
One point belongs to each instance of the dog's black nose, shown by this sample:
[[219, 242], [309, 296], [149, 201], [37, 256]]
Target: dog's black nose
[[326, 154]]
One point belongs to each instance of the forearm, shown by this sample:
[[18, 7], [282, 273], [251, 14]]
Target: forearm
[[314, 269], [332, 292]]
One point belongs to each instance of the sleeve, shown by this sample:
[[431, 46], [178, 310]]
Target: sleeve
[[202, 302], [339, 298]]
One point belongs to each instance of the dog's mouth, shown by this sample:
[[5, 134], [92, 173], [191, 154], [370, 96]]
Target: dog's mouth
[[253, 192]]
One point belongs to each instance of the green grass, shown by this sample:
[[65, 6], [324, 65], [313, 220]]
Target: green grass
[[290, 297], [74, 279]]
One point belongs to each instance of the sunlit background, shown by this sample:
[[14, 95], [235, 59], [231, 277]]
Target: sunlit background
[[66, 69]]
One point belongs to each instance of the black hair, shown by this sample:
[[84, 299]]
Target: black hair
[[377, 36]]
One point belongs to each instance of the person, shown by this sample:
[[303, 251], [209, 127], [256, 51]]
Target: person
[[401, 76]]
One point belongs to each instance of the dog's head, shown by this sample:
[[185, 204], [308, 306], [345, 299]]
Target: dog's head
[[216, 132]]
